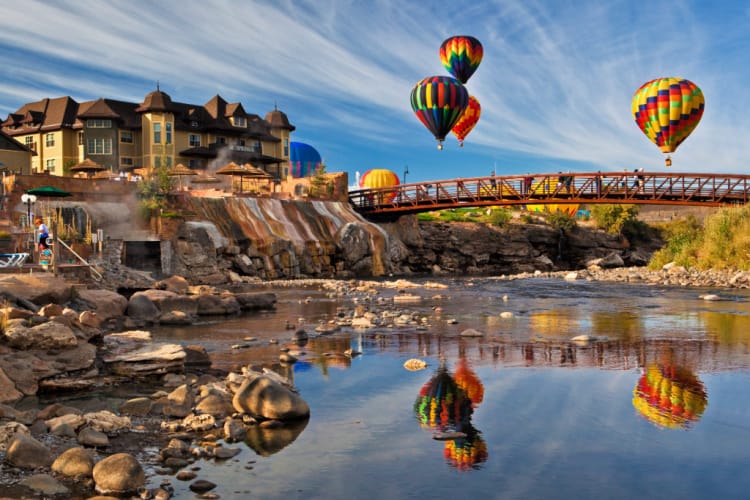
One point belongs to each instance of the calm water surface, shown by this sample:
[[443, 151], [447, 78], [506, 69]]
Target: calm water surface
[[657, 407]]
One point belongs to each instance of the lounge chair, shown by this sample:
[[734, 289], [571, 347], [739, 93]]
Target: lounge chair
[[13, 259]]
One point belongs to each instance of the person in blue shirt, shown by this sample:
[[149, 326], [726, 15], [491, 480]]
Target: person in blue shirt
[[43, 233]]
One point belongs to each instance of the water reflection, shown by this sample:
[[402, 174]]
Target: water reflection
[[670, 396], [266, 441], [446, 404]]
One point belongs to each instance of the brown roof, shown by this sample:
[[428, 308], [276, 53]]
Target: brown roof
[[155, 101], [8, 143], [278, 119], [47, 114]]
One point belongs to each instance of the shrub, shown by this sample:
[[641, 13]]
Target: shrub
[[562, 220], [615, 219], [499, 217]]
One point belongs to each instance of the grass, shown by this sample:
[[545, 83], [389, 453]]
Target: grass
[[492, 215], [722, 242]]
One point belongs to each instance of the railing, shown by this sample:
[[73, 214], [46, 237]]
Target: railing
[[562, 188], [94, 273]]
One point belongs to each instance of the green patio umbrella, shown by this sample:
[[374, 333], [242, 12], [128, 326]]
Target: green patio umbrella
[[49, 192]]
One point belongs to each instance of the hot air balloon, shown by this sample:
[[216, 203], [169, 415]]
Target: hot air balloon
[[670, 396], [667, 110], [380, 178], [303, 160], [438, 102], [461, 56], [467, 121]]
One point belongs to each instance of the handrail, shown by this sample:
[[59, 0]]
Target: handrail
[[97, 275], [626, 187]]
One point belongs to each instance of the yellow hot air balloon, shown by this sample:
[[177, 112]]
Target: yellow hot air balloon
[[549, 185], [667, 110], [670, 396], [380, 178]]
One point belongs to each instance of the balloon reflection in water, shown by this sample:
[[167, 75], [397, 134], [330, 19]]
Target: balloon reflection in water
[[444, 404], [467, 452], [670, 396], [441, 404]]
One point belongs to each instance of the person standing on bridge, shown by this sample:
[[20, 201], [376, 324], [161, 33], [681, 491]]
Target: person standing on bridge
[[493, 183]]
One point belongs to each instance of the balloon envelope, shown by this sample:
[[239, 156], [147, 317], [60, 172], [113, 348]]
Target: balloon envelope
[[303, 159], [667, 110], [438, 102], [380, 178], [461, 56], [468, 120], [441, 404]]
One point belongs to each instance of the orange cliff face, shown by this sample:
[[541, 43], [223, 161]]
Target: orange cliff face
[[273, 238]]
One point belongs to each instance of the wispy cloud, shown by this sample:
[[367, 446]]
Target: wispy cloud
[[555, 83]]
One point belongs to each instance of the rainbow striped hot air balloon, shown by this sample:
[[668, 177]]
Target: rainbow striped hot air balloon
[[461, 56], [441, 404], [467, 121], [667, 110], [303, 160], [380, 178], [438, 102]]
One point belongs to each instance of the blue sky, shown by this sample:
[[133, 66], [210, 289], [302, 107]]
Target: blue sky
[[555, 83]]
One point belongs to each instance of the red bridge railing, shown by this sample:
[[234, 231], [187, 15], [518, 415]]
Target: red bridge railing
[[561, 188]]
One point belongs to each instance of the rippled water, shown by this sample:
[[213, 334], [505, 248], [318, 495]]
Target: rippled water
[[657, 407]]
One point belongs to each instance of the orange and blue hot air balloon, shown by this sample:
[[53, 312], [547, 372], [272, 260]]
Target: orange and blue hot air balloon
[[667, 110], [468, 120], [438, 102], [461, 56]]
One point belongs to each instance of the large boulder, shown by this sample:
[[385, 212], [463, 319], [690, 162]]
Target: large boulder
[[118, 474], [45, 336], [74, 462], [142, 308], [105, 303], [28, 453], [262, 396]]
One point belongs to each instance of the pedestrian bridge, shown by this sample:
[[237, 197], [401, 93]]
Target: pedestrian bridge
[[647, 188]]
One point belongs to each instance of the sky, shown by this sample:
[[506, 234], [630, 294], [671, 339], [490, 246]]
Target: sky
[[555, 83]]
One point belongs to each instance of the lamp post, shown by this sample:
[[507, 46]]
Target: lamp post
[[29, 199], [406, 171]]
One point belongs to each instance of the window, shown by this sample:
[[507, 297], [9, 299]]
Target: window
[[99, 146], [257, 148], [157, 162], [126, 161], [126, 136], [29, 142], [169, 133], [49, 140], [221, 140], [239, 121], [241, 142], [194, 124], [51, 165], [157, 133], [286, 146], [194, 140], [99, 123]]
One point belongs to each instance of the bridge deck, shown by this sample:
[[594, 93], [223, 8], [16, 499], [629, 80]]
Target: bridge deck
[[561, 188]]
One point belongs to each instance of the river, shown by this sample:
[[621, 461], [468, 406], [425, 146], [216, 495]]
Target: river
[[653, 403]]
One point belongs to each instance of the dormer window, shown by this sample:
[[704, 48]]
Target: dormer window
[[240, 121], [194, 123]]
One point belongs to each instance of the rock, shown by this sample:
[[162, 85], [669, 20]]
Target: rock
[[415, 364], [106, 304], [176, 284], [202, 486], [44, 484], [506, 314], [49, 335], [8, 391], [176, 318], [180, 402], [137, 407], [225, 452], [234, 430], [140, 307], [132, 353], [27, 453], [217, 305], [287, 358], [8, 430], [196, 356], [470, 332], [710, 297], [571, 276], [93, 438], [199, 423], [260, 396], [74, 462], [106, 421], [119, 474], [59, 425], [216, 405], [251, 301], [90, 319]]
